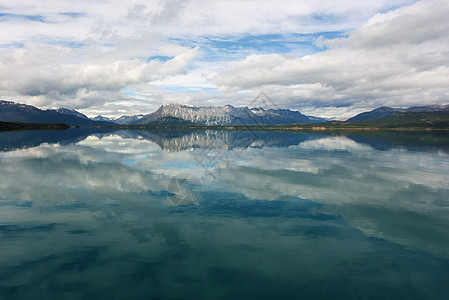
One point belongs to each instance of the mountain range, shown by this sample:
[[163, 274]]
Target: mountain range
[[230, 115], [123, 120], [185, 115], [16, 112], [167, 115]]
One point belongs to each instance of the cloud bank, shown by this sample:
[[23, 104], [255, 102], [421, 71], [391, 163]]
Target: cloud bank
[[318, 57], [399, 59]]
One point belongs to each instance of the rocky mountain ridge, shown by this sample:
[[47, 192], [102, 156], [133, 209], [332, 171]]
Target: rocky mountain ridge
[[228, 115]]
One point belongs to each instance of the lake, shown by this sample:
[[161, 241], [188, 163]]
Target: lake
[[177, 214]]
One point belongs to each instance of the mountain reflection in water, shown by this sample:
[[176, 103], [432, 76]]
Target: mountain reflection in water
[[178, 140]]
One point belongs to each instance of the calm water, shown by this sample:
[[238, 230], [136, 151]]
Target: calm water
[[222, 215]]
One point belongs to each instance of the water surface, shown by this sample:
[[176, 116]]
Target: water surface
[[223, 214]]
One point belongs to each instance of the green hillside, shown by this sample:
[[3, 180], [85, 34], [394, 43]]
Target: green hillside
[[436, 119]]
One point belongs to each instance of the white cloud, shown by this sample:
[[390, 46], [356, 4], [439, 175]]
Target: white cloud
[[398, 58], [80, 54], [42, 73]]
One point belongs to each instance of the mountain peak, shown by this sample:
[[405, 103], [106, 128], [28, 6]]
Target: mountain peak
[[67, 111], [227, 115]]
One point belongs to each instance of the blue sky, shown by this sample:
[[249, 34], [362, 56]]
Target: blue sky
[[324, 58], [234, 47]]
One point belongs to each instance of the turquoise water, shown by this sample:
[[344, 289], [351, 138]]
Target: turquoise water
[[223, 214]]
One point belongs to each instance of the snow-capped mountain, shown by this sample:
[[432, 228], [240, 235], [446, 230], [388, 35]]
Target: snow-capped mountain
[[228, 115], [71, 112], [123, 120], [103, 119]]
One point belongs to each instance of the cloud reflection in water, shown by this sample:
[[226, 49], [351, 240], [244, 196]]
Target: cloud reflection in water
[[291, 213]]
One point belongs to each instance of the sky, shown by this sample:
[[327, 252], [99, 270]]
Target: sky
[[324, 58]]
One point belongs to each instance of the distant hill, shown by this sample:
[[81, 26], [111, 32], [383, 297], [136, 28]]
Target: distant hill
[[16, 112], [433, 119], [388, 111]]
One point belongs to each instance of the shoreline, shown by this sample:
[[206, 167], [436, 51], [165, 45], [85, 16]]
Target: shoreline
[[15, 126]]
